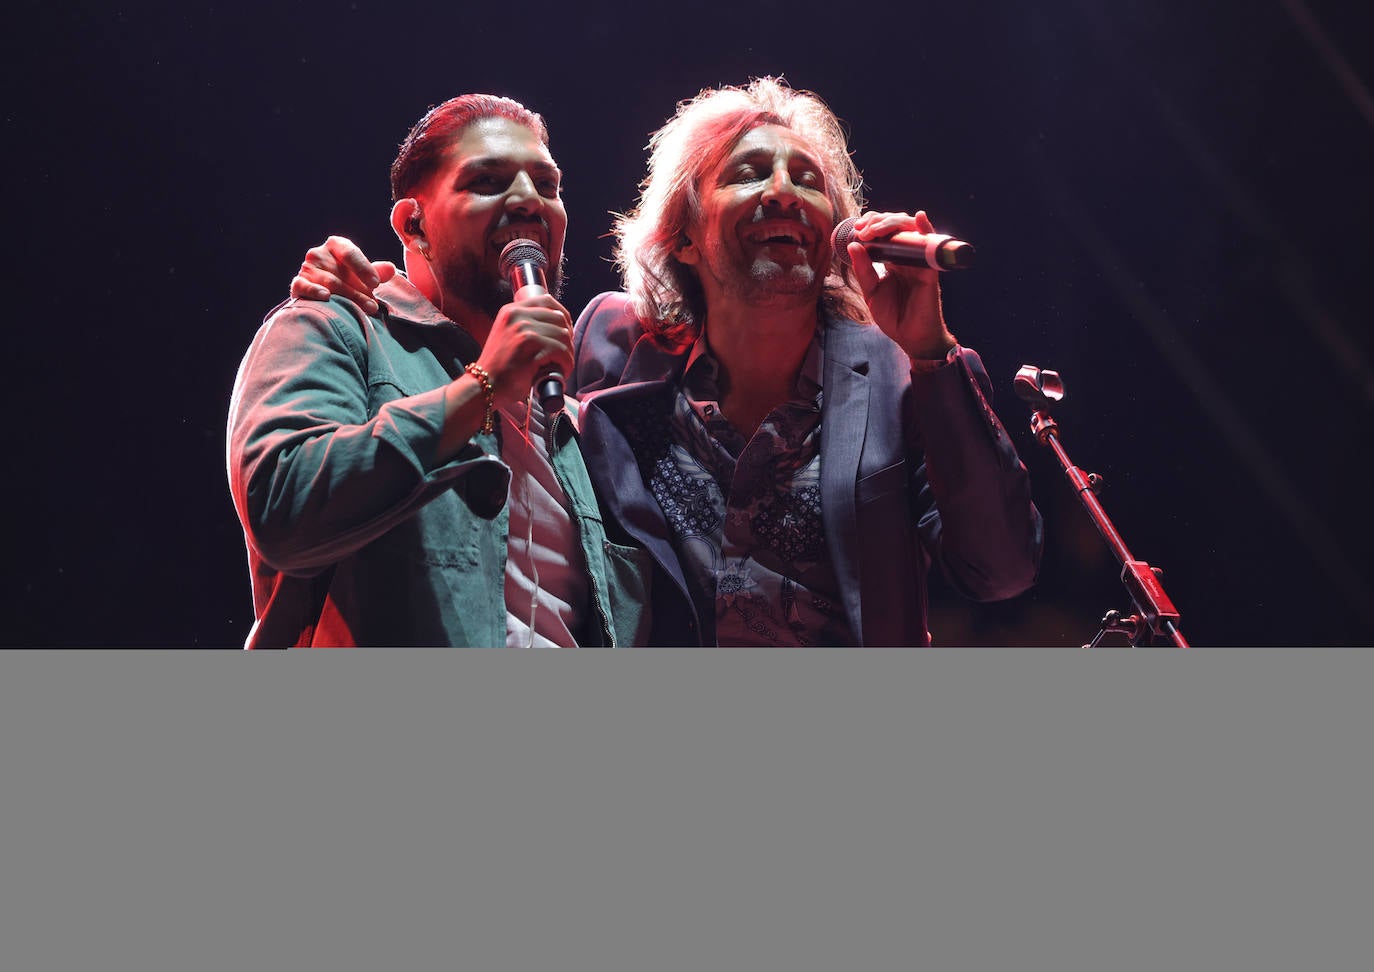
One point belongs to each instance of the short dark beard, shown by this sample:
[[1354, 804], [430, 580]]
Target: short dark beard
[[467, 278]]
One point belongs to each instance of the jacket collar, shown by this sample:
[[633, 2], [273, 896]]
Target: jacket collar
[[402, 301]]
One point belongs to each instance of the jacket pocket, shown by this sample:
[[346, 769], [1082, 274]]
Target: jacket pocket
[[882, 483], [629, 585], [430, 581]]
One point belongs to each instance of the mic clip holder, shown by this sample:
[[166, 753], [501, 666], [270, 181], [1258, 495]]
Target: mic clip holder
[[1155, 615]]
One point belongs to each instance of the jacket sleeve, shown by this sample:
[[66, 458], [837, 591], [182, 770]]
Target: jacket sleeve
[[975, 511], [315, 475]]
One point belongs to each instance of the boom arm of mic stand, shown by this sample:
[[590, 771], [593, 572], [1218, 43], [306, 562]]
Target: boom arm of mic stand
[[1156, 613]]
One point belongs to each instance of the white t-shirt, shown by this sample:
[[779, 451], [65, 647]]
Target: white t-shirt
[[546, 577]]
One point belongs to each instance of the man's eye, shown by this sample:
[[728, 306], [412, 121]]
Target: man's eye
[[486, 183], [745, 174], [550, 188]]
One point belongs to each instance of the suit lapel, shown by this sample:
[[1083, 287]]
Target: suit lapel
[[843, 426], [616, 474]]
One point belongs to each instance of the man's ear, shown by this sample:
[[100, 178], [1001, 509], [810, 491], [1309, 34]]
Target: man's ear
[[686, 251], [408, 222]]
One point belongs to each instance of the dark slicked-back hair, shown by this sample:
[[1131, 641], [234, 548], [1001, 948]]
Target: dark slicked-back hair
[[423, 149]]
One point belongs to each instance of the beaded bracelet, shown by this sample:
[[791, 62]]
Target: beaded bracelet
[[489, 391]]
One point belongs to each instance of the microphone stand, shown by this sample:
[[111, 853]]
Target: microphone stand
[[1155, 615]]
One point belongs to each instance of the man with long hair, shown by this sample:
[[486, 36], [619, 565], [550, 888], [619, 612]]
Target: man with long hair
[[812, 438]]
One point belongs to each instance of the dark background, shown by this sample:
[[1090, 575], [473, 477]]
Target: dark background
[[1169, 201]]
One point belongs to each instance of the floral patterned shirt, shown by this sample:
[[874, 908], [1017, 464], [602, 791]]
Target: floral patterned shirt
[[746, 514]]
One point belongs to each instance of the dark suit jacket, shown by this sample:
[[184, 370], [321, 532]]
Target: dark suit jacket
[[915, 468]]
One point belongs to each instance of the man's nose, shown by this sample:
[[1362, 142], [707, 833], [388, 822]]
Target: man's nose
[[523, 195], [781, 191]]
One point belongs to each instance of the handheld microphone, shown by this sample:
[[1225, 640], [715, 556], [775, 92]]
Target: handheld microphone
[[908, 249], [523, 261]]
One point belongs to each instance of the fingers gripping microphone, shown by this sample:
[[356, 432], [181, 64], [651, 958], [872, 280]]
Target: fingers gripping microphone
[[523, 261], [910, 249]]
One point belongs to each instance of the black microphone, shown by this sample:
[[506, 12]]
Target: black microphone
[[523, 261], [907, 249]]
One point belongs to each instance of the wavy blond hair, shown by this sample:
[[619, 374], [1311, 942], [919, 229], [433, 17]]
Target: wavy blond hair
[[665, 293]]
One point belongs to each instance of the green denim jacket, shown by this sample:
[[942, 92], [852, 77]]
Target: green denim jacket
[[356, 535]]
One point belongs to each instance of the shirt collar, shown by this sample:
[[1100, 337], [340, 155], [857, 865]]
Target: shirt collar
[[404, 301]]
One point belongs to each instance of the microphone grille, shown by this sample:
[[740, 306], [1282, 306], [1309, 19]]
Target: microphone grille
[[839, 240], [521, 251]]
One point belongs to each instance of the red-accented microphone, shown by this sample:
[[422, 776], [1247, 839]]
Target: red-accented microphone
[[523, 261], [907, 249]]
